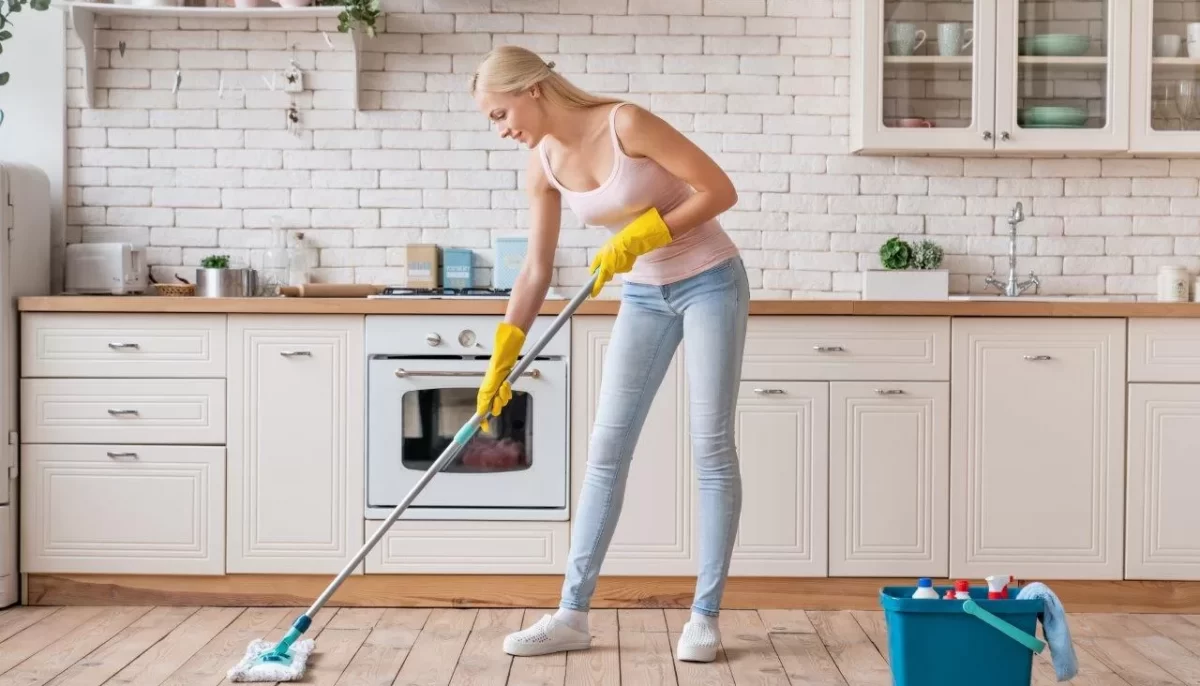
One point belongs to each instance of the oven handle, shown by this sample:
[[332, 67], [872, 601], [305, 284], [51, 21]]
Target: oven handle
[[404, 373]]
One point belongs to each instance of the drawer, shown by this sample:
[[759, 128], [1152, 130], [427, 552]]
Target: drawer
[[170, 411], [462, 547], [122, 345], [847, 348], [1164, 349], [123, 509]]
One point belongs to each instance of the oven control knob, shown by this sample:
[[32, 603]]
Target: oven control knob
[[466, 338], [433, 339]]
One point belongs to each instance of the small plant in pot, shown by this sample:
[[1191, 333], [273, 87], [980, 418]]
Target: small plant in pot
[[910, 272], [216, 278]]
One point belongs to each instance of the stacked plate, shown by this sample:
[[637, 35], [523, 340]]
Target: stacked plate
[[1050, 117], [1056, 44]]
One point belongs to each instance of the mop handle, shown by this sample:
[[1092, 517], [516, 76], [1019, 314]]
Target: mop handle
[[451, 451]]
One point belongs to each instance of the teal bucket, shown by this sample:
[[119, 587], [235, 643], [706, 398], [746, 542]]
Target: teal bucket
[[979, 642]]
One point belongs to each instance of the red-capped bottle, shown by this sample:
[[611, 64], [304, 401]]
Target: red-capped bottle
[[962, 589]]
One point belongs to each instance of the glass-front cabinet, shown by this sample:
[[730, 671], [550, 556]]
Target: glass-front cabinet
[[1165, 116], [1018, 76]]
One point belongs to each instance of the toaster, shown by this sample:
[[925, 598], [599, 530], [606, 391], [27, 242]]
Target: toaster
[[110, 268]]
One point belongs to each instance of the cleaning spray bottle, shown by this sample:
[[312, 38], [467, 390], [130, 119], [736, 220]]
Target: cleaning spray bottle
[[998, 586]]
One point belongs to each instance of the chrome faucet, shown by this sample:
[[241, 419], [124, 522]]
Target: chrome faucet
[[1013, 287]]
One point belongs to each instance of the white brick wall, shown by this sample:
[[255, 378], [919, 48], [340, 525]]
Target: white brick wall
[[762, 85]]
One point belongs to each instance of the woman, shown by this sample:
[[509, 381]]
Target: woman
[[620, 167]]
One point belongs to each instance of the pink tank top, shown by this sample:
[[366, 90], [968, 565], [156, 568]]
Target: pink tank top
[[634, 186]]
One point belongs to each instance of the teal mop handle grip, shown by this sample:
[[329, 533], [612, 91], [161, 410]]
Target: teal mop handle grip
[[1031, 642], [298, 628]]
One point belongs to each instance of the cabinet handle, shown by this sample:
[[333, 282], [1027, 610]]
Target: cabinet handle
[[123, 346], [770, 391], [404, 373], [889, 391], [122, 412], [829, 348], [1004, 136], [987, 135], [1037, 358], [296, 353], [120, 455]]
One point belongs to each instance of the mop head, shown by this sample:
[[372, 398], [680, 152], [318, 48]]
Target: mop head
[[261, 664]]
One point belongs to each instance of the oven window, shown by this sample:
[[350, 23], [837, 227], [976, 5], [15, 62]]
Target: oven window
[[432, 417]]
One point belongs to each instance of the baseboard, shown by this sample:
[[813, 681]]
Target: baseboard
[[439, 590]]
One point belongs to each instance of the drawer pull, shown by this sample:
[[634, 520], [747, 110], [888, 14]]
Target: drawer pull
[[889, 391], [829, 348], [296, 353], [116, 413], [117, 456], [770, 391], [123, 346], [1037, 358]]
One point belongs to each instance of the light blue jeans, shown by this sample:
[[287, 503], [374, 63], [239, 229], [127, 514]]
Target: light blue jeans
[[709, 312]]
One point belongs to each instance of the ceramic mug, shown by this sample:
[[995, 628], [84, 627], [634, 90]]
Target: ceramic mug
[[905, 38], [915, 123], [951, 37], [1168, 45], [1193, 39]]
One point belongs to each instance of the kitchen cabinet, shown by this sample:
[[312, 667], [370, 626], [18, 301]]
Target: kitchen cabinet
[[783, 446], [1163, 539], [889, 478], [296, 389], [990, 76], [1037, 448], [1164, 103]]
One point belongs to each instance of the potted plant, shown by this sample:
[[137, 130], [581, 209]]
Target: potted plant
[[215, 278], [910, 272]]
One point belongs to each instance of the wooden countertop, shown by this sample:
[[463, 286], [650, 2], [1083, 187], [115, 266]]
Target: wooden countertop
[[282, 305]]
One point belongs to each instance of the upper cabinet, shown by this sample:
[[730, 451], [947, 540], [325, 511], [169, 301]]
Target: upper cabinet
[[1165, 104], [991, 76]]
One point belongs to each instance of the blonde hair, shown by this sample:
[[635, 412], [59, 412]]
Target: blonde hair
[[512, 69]]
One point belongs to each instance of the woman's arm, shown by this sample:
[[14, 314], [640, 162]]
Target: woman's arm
[[529, 290], [643, 134]]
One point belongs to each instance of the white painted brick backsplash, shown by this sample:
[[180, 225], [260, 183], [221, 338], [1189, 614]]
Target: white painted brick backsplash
[[760, 85]]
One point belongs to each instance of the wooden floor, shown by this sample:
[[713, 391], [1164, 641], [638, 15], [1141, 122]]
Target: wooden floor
[[77, 646]]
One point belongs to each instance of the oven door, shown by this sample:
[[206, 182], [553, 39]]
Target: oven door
[[415, 406]]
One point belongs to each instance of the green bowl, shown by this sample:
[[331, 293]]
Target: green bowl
[[1056, 44], [1052, 117]]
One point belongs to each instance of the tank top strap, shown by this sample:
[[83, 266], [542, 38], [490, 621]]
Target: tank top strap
[[546, 168], [612, 130]]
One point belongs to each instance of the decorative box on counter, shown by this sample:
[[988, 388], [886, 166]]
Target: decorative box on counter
[[458, 265], [510, 254], [421, 266]]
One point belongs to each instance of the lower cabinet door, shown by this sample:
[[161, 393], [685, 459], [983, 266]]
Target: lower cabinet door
[[889, 472], [1163, 533], [123, 509], [783, 446]]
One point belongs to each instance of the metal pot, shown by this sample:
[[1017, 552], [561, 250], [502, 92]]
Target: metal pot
[[226, 283]]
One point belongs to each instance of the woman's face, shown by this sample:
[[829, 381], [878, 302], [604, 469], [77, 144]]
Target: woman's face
[[518, 116]]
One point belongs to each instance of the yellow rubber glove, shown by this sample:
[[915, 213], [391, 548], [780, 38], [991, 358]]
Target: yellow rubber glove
[[495, 391], [639, 237]]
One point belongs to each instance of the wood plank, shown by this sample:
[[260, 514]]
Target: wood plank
[[384, 652], [541, 670], [124, 648], [805, 659], [483, 661], [432, 659], [1092, 672], [518, 591], [874, 625], [69, 648], [209, 664], [1182, 629], [1180, 662], [18, 618], [155, 664], [1126, 662], [749, 650], [852, 651], [20, 646], [646, 657], [786, 621], [599, 665], [356, 618], [641, 620], [335, 648]]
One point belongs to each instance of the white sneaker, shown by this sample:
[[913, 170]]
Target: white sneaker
[[698, 643], [548, 635]]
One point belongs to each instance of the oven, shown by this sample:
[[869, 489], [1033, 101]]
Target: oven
[[423, 373]]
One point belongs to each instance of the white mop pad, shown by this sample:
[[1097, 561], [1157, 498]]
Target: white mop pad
[[252, 668]]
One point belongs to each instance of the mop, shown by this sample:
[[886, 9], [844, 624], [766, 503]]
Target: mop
[[286, 660]]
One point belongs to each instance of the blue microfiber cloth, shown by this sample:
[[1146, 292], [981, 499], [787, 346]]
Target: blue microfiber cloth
[[1054, 625]]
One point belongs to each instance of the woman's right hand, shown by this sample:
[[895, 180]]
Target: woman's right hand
[[495, 391]]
